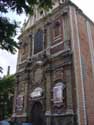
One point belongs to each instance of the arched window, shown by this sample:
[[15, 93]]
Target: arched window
[[38, 41], [58, 92]]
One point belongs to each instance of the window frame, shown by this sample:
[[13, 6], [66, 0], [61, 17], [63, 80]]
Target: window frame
[[60, 86], [58, 22], [37, 52]]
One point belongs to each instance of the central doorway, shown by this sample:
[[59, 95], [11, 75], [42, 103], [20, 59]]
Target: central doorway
[[37, 114]]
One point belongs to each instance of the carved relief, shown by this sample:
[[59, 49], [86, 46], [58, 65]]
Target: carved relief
[[57, 74], [37, 92], [21, 88], [24, 49], [19, 103], [38, 75]]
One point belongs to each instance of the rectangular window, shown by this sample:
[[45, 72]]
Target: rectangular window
[[38, 41]]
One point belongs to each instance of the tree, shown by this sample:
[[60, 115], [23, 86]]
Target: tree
[[7, 85], [7, 28], [1, 69]]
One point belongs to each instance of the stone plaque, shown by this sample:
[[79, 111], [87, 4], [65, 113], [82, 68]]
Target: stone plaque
[[58, 93], [58, 74], [21, 87], [19, 102], [36, 93], [38, 75]]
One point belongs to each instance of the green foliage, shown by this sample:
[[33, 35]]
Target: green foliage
[[24, 5], [7, 85], [7, 42], [7, 31], [7, 28]]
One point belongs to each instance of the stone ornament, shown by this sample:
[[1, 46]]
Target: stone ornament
[[21, 88], [38, 75], [19, 102], [58, 93], [37, 92]]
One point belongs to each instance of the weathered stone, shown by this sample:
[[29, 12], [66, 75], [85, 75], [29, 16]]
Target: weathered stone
[[51, 79]]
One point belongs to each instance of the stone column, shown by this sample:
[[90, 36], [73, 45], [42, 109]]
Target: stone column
[[14, 101], [69, 90], [33, 42], [25, 97], [66, 27], [30, 45], [15, 93], [48, 33], [26, 100], [48, 98]]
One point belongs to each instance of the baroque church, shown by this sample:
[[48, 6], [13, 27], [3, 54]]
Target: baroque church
[[55, 68]]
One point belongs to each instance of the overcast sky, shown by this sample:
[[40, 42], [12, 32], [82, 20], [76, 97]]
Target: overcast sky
[[6, 59]]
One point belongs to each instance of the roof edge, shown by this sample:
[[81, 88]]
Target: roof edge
[[80, 10], [69, 3]]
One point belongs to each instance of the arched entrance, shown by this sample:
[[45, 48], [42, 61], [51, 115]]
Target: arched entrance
[[37, 114]]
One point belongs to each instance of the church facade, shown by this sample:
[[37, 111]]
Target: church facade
[[55, 68]]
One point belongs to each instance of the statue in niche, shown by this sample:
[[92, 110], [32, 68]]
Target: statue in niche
[[58, 93], [38, 75]]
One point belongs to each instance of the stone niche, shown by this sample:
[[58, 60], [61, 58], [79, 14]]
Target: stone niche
[[58, 73], [58, 97], [38, 75], [37, 72], [19, 103]]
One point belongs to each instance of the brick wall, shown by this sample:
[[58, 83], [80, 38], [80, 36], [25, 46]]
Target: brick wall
[[76, 61], [88, 81], [82, 37]]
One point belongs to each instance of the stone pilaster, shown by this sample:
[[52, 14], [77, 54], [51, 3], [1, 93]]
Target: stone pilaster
[[48, 98], [69, 90], [30, 45], [66, 26]]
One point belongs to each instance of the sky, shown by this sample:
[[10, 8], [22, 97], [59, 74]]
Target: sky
[[7, 59]]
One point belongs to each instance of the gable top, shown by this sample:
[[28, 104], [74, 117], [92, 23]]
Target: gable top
[[39, 14]]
